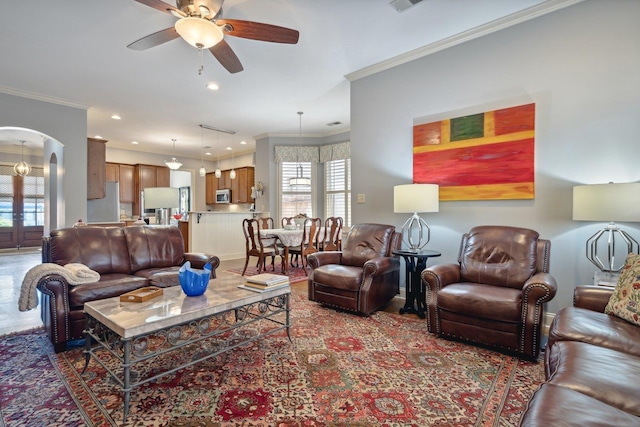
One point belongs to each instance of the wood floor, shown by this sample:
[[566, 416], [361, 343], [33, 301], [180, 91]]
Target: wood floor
[[15, 264]]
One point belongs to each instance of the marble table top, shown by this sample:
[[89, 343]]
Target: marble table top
[[173, 307]]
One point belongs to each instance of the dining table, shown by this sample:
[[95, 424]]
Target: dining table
[[289, 238]]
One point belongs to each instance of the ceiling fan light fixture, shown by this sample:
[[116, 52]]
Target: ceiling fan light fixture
[[198, 32]]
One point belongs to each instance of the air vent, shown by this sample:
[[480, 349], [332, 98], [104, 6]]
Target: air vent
[[402, 5], [334, 123]]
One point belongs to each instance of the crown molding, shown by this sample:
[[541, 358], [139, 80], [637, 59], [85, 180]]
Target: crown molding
[[41, 97], [474, 33]]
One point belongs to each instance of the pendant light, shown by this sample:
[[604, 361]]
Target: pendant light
[[174, 163], [300, 180], [22, 168], [232, 174], [218, 171], [202, 171]]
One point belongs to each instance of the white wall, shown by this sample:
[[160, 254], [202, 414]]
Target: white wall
[[580, 67]]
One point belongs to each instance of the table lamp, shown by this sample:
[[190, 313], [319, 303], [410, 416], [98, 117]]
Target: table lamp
[[414, 198], [161, 199], [607, 202]]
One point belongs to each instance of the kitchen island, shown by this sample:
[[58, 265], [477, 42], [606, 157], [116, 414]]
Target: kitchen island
[[219, 233]]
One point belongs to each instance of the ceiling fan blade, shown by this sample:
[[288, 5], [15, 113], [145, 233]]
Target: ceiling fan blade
[[258, 31], [160, 5], [155, 39], [227, 57]]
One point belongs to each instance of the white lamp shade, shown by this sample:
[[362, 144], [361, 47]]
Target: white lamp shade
[[161, 197], [411, 198], [198, 32], [607, 202]]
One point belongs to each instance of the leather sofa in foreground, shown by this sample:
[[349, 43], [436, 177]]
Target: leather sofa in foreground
[[592, 367], [127, 258]]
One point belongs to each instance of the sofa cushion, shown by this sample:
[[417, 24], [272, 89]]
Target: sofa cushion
[[580, 324], [586, 368], [553, 405], [154, 246], [482, 301], [161, 277], [625, 300], [501, 256], [365, 242], [339, 276], [102, 249], [110, 285]]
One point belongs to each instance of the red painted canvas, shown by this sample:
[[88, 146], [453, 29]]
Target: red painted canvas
[[485, 156]]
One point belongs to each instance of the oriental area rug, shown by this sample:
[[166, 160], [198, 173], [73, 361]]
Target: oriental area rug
[[339, 370], [295, 274]]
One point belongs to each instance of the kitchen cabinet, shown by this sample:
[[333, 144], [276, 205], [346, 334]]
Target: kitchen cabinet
[[240, 186], [211, 188], [146, 176], [96, 168], [122, 173]]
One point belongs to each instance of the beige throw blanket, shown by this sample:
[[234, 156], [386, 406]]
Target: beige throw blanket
[[75, 274]]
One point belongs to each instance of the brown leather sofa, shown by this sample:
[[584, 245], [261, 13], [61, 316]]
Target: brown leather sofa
[[495, 294], [363, 276], [127, 258], [592, 367]]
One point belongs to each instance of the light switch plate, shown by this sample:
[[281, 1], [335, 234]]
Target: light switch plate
[[361, 198]]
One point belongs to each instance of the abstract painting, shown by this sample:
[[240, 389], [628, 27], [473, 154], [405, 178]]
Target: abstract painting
[[485, 156]]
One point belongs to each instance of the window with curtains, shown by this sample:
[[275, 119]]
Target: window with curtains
[[295, 199], [338, 189]]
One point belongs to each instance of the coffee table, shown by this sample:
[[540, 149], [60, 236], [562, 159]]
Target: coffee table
[[134, 332]]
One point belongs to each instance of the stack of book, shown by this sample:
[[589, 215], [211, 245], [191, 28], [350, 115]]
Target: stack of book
[[265, 281]]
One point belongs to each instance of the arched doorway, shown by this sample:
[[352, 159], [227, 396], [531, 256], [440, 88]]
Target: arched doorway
[[29, 205]]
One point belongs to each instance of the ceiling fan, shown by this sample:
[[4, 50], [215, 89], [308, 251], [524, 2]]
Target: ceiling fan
[[199, 24]]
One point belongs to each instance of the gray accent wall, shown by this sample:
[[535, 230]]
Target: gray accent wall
[[579, 65]]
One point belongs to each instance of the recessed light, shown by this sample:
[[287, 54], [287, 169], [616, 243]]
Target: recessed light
[[243, 142], [207, 154], [116, 117], [213, 86], [229, 148], [135, 142]]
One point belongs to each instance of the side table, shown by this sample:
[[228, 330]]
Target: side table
[[415, 262]]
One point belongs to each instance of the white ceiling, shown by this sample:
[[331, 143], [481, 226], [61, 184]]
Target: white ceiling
[[74, 52]]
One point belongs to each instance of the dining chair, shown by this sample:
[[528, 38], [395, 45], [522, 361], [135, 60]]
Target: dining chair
[[287, 220], [332, 236], [255, 246], [266, 222], [310, 240]]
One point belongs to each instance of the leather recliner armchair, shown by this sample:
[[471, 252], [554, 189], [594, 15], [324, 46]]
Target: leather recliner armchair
[[363, 276], [496, 293]]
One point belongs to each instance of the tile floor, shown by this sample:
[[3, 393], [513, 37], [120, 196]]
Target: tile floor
[[15, 264]]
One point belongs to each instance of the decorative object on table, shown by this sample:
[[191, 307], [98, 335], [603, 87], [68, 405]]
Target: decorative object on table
[[300, 219], [22, 168], [414, 198], [485, 156], [194, 281], [141, 295], [201, 26], [495, 295], [80, 223], [607, 202], [174, 164], [161, 199], [177, 216], [265, 281], [299, 180]]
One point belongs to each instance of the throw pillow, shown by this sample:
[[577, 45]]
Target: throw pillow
[[625, 301]]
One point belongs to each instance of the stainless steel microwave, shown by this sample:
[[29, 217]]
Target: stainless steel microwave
[[223, 196]]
